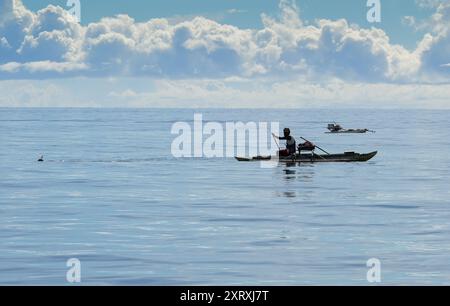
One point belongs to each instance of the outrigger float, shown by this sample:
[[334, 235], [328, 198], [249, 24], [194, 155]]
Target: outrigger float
[[315, 158]]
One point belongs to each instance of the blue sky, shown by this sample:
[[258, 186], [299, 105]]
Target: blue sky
[[225, 53], [246, 13]]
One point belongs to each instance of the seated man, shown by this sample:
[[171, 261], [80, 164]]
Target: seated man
[[290, 143]]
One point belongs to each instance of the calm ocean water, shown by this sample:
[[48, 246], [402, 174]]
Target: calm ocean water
[[111, 195]]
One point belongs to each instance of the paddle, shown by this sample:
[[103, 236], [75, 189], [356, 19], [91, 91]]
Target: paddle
[[274, 138], [316, 146]]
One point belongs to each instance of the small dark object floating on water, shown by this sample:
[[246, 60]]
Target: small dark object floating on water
[[335, 128], [41, 159], [315, 158]]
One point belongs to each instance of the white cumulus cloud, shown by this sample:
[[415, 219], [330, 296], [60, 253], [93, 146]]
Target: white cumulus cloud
[[434, 49], [50, 43]]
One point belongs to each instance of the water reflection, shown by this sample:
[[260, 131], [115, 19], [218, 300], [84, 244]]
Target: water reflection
[[292, 173], [299, 172], [289, 194]]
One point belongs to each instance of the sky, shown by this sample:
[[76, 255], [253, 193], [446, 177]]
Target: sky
[[247, 13], [228, 53]]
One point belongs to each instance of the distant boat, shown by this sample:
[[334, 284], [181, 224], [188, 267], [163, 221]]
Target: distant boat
[[315, 158], [41, 159], [334, 128]]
